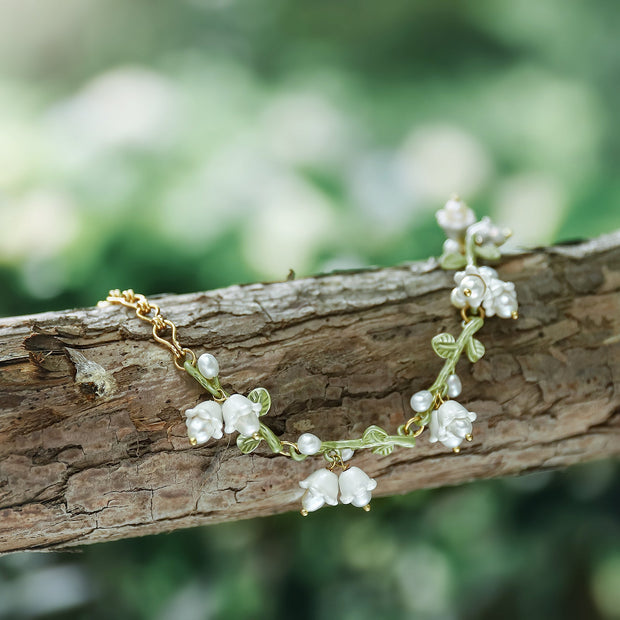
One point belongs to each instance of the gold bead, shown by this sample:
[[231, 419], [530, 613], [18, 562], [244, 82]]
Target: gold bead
[[467, 292], [192, 441], [469, 437], [303, 512], [367, 508], [515, 315], [456, 450]]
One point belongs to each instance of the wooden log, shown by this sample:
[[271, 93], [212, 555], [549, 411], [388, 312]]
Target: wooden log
[[92, 440]]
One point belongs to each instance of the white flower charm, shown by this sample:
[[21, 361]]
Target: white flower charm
[[356, 487], [450, 424], [471, 286], [241, 414], [203, 422], [481, 286], [455, 218], [321, 488]]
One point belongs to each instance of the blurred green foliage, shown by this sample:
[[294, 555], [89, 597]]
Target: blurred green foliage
[[189, 145]]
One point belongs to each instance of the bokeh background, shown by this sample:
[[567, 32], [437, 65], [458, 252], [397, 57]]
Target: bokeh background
[[182, 146]]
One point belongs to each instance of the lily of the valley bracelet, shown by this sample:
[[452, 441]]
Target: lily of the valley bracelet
[[478, 293]]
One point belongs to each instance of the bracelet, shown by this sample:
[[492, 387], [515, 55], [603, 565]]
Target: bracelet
[[479, 293]]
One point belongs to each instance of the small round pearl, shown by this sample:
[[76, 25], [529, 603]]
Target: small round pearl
[[454, 386], [421, 401], [346, 454], [208, 366], [308, 444]]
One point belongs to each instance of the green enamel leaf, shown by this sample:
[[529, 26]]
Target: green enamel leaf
[[488, 251], [454, 260], [247, 444], [443, 344], [383, 450], [474, 349], [268, 435], [374, 434], [261, 395]]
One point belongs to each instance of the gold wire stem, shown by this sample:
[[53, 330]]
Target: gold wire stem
[[292, 445], [410, 422], [164, 330], [468, 317], [336, 461]]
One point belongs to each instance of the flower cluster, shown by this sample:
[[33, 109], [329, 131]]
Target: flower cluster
[[481, 286], [323, 485], [236, 413]]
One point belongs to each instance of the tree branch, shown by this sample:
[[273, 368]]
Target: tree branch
[[93, 445]]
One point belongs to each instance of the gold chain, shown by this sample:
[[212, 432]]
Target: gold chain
[[151, 313]]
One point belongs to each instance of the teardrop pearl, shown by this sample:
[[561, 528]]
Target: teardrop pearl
[[454, 386], [421, 401], [208, 366], [308, 444]]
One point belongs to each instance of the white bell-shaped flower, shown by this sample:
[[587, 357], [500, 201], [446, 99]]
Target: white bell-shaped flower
[[321, 488], [204, 421], [356, 487], [451, 424], [241, 414], [455, 218]]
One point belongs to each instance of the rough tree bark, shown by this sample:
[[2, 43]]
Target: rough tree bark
[[93, 445]]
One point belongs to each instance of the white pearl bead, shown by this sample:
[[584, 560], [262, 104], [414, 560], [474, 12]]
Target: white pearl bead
[[421, 401], [454, 386], [308, 444], [346, 454], [208, 366]]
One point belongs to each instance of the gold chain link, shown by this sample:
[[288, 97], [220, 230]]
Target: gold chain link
[[151, 313]]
